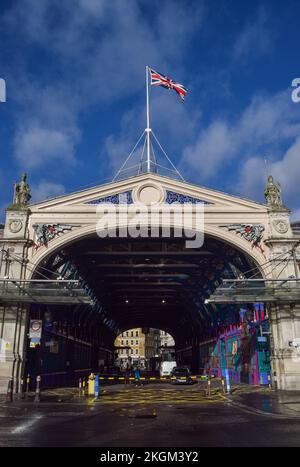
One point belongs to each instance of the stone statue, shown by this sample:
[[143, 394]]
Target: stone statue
[[22, 192], [273, 194]]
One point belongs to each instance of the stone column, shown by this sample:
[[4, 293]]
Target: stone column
[[284, 316], [285, 327], [12, 338], [13, 318]]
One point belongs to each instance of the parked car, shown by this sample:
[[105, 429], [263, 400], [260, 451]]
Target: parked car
[[181, 375]]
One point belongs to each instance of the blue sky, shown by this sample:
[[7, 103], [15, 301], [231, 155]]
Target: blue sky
[[75, 76]]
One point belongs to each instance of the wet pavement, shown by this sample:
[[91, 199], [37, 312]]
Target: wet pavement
[[156, 415]]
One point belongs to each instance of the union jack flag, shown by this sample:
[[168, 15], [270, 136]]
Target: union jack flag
[[157, 79]]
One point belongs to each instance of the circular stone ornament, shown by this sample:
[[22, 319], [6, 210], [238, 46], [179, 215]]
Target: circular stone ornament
[[281, 226], [15, 225], [149, 193]]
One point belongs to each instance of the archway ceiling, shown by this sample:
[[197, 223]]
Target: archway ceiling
[[154, 282]]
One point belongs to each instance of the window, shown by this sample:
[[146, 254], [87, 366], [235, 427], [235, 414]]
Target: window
[[132, 351], [122, 342], [137, 333], [131, 333], [126, 342], [137, 342], [131, 342], [127, 333], [136, 351]]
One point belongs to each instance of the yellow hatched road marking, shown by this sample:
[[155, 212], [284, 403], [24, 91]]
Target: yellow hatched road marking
[[157, 396]]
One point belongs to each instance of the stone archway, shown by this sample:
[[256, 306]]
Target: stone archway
[[187, 325]]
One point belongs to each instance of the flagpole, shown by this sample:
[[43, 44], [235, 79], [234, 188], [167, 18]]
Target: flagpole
[[148, 121]]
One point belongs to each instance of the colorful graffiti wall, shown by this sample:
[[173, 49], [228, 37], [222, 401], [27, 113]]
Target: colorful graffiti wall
[[241, 347]]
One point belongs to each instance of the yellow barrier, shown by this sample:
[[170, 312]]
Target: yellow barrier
[[152, 378]]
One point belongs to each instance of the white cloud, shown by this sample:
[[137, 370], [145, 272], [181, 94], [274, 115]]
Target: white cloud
[[213, 145], [252, 178], [295, 216], [98, 51], [255, 39], [262, 128], [171, 120], [285, 170], [105, 46], [36, 146], [45, 189], [267, 128]]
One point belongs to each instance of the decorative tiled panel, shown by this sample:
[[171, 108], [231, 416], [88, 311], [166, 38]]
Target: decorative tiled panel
[[173, 197], [119, 198]]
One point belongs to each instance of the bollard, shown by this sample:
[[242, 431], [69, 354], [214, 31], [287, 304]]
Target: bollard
[[37, 397], [27, 385], [208, 387], [22, 388], [91, 385], [9, 394], [223, 385], [80, 387], [227, 380], [269, 382]]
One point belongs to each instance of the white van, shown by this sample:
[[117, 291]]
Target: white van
[[166, 368]]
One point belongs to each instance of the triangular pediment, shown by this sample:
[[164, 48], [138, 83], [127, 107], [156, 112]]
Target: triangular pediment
[[163, 189]]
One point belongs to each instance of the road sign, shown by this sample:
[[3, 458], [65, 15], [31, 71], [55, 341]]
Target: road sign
[[261, 339], [35, 329]]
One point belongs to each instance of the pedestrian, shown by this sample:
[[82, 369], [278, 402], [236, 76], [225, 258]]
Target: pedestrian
[[127, 373], [137, 376]]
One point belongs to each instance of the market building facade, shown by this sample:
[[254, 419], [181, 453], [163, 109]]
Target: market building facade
[[68, 292]]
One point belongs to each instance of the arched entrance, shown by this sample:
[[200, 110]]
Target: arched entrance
[[148, 283]]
